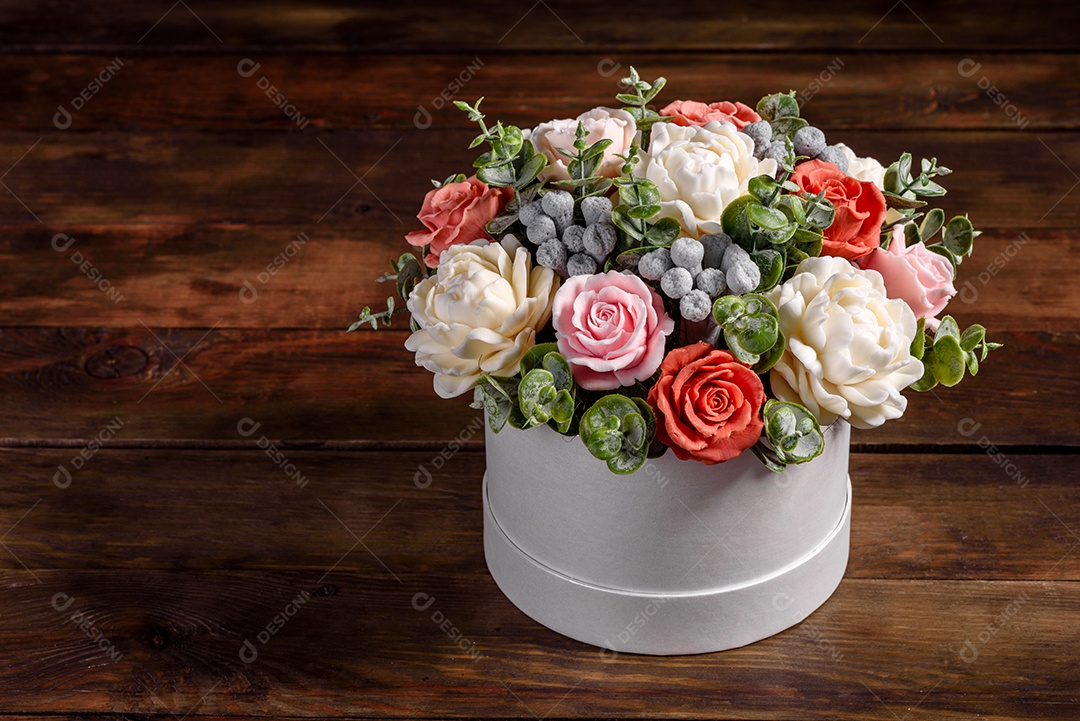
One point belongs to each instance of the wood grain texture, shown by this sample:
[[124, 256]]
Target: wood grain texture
[[309, 181], [427, 26], [69, 383], [227, 92], [151, 271], [357, 646], [916, 517]]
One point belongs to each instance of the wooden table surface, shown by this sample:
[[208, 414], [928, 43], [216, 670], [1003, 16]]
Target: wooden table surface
[[159, 560]]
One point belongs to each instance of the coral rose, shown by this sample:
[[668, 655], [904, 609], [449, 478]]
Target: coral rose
[[610, 328], [457, 213], [860, 208], [920, 277], [707, 404], [691, 112]]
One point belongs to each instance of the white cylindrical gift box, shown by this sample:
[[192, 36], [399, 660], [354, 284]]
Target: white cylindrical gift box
[[676, 558]]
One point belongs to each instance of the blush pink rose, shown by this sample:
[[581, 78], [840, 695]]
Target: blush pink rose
[[456, 213], [918, 276], [691, 112], [611, 329]]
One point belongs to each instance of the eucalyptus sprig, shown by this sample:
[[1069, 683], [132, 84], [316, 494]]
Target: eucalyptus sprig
[[619, 430], [498, 397], [640, 94], [546, 392], [778, 225], [793, 434], [372, 319], [750, 328], [639, 201], [585, 159], [511, 162], [949, 352], [902, 189]]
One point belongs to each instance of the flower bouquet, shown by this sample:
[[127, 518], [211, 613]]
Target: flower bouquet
[[699, 285]]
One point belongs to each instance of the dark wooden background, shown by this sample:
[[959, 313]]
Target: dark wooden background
[[180, 538]]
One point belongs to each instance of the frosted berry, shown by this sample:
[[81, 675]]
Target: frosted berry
[[676, 283], [695, 306], [530, 212], [542, 228], [655, 263], [599, 240], [714, 245], [596, 209], [581, 264], [777, 151], [809, 141], [687, 253], [573, 238], [761, 132], [711, 281], [552, 254], [557, 203], [834, 155], [743, 278]]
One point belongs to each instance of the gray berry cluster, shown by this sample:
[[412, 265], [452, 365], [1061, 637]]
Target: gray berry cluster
[[808, 141], [694, 272], [563, 246]]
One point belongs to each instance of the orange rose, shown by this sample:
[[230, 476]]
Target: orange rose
[[691, 112], [707, 404], [457, 213], [860, 208]]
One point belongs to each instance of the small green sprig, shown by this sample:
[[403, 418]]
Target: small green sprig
[[640, 94], [902, 190], [949, 352], [498, 397], [547, 390], [584, 161], [793, 434], [639, 201], [511, 162], [781, 110], [372, 319]]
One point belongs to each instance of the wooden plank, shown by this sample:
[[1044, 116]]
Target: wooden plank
[[183, 276], [355, 645], [916, 516], [308, 181], [557, 24], [70, 383], [844, 90]]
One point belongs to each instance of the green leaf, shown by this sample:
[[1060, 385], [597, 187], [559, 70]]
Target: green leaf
[[766, 218], [750, 325], [947, 329], [498, 396], [534, 357], [918, 343], [771, 264], [618, 430], [972, 337], [500, 175], [786, 127], [643, 212], [531, 168], [893, 200], [959, 236], [948, 361], [663, 232], [780, 105], [773, 356], [736, 222], [928, 380], [932, 223]]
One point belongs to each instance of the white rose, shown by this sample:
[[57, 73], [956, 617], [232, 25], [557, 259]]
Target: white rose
[[848, 345], [864, 169], [699, 171], [478, 314], [599, 123]]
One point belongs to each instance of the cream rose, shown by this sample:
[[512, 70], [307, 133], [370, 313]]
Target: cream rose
[[478, 314], [848, 345], [699, 170], [599, 123]]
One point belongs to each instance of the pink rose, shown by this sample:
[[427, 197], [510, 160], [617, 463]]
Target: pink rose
[[457, 213], [918, 276], [610, 328], [599, 123], [691, 112]]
